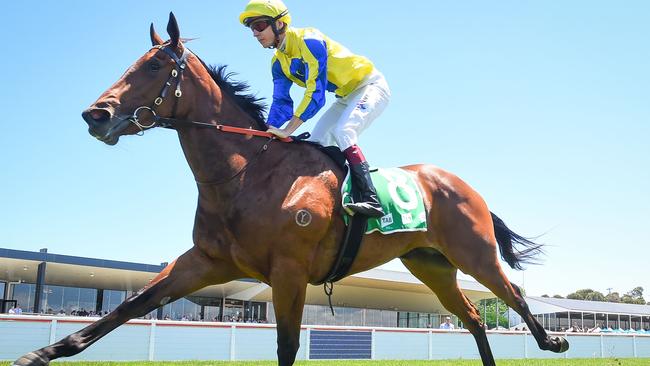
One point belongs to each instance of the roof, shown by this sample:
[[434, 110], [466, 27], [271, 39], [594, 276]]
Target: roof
[[82, 261], [540, 305]]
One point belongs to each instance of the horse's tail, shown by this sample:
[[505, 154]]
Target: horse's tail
[[508, 240]]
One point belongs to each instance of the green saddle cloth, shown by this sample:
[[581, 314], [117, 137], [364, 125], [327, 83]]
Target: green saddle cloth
[[400, 198]]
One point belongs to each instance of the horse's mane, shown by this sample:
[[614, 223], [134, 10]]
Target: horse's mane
[[250, 103]]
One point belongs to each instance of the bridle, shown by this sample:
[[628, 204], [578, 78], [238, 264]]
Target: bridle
[[180, 63], [177, 73]]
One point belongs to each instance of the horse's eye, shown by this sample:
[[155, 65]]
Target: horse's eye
[[154, 66]]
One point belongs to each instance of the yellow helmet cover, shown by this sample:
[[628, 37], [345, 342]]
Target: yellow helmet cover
[[269, 8]]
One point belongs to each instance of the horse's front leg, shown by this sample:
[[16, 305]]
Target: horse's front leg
[[190, 272], [289, 283]]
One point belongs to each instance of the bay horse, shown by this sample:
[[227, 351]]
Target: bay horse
[[250, 189]]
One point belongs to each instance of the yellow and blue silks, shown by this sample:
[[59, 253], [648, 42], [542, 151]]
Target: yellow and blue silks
[[313, 61]]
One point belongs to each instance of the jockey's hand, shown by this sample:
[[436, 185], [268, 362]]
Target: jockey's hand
[[293, 125], [279, 132]]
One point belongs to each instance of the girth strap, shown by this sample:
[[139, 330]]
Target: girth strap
[[348, 250]]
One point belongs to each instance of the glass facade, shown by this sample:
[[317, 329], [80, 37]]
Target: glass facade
[[83, 301], [322, 315], [421, 320], [560, 321], [211, 313], [111, 299], [88, 301], [233, 310], [255, 311], [2, 290], [210, 307], [182, 309], [56, 299], [24, 293], [380, 318], [403, 320], [68, 300], [52, 299]]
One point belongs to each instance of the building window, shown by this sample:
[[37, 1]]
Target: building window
[[417, 320], [2, 290], [112, 299], [233, 310], [52, 300], [211, 313], [210, 307], [424, 321], [182, 309], [24, 296], [402, 319], [87, 299], [254, 312], [322, 315], [68, 300]]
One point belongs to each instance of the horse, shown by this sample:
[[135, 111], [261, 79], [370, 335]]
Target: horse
[[251, 187]]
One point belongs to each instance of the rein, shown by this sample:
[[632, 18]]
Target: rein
[[172, 123]]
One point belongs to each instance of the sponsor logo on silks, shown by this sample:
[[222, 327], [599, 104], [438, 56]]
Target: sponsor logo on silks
[[362, 105], [407, 218], [386, 220]]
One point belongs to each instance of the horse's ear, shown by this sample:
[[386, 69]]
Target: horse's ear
[[172, 30], [155, 38]]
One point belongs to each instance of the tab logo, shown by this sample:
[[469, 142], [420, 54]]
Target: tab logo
[[386, 220]]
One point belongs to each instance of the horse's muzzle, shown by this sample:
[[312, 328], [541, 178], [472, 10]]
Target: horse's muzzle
[[102, 125]]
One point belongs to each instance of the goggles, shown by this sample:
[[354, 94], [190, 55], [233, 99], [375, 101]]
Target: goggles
[[264, 22], [261, 24]]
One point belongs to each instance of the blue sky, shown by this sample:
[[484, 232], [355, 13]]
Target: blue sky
[[543, 107]]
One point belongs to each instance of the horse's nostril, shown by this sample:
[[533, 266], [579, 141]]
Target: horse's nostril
[[96, 115]]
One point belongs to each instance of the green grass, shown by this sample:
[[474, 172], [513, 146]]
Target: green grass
[[527, 362]]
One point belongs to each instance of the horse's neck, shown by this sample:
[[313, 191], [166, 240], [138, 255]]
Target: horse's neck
[[215, 156]]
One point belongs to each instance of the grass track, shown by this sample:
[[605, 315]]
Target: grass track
[[527, 362]]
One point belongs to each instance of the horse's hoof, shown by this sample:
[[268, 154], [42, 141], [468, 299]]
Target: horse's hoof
[[562, 343], [31, 359]]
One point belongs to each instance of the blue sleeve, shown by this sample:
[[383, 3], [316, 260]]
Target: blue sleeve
[[282, 107], [315, 56]]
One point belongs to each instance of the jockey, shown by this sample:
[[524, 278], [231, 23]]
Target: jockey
[[307, 57]]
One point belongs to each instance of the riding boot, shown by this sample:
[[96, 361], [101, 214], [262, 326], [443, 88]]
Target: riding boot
[[369, 204]]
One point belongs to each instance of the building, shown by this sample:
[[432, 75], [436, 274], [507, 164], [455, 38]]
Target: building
[[561, 314], [47, 283], [368, 305]]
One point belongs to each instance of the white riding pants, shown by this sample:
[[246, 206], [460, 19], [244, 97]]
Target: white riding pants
[[348, 116]]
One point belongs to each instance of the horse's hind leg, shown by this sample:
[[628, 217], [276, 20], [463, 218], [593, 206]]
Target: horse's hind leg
[[497, 282], [475, 254], [439, 275], [190, 272]]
